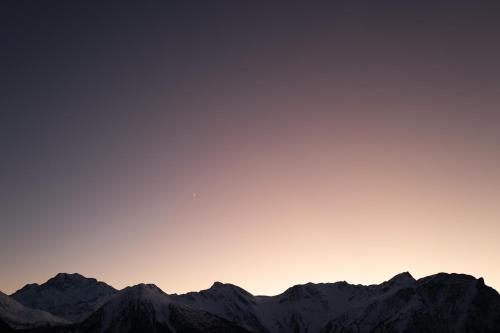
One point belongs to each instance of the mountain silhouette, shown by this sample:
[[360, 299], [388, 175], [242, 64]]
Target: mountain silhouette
[[69, 296], [437, 303]]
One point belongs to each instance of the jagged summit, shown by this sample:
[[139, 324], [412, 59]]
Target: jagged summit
[[219, 287], [143, 291], [300, 291], [66, 280], [144, 286], [70, 296], [402, 278], [448, 278], [222, 285], [146, 308], [217, 284], [27, 287], [72, 276]]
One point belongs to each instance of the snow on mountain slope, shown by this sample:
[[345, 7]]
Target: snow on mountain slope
[[438, 303], [308, 307], [305, 308], [313, 307], [227, 301], [146, 308], [301, 308], [17, 315], [70, 296]]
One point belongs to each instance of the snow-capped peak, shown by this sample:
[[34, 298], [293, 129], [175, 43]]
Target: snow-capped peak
[[63, 281], [145, 292], [70, 296], [226, 288]]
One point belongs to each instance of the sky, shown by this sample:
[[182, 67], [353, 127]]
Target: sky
[[263, 144]]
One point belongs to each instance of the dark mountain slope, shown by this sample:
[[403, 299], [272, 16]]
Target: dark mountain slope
[[438, 303], [145, 308], [17, 315], [70, 296]]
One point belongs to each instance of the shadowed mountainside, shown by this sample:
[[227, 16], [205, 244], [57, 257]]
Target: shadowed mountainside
[[69, 296], [437, 303]]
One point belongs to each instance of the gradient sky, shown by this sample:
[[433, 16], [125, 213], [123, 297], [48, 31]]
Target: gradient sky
[[259, 144]]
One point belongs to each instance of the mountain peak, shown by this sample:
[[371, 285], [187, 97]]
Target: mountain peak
[[144, 286], [449, 277], [69, 276], [69, 296], [27, 287], [402, 278], [217, 284], [222, 285], [63, 281], [144, 290], [299, 292], [220, 288]]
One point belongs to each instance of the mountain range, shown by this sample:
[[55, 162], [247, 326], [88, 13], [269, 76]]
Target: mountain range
[[72, 303]]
